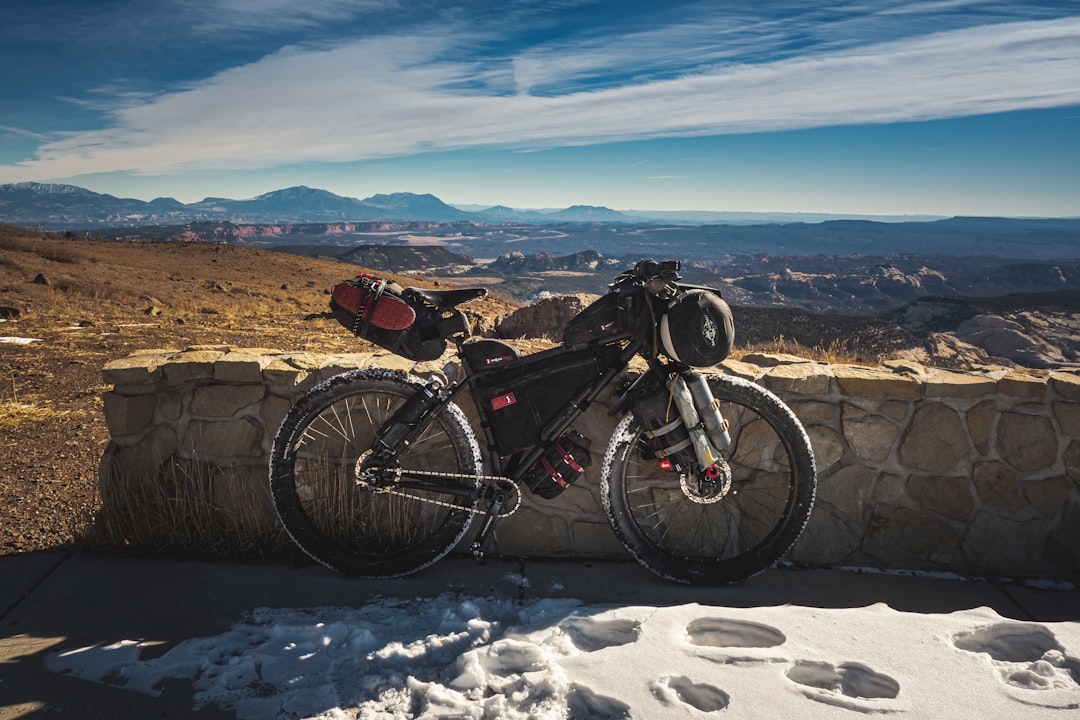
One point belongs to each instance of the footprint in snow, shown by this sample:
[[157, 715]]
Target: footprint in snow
[[590, 635], [851, 685], [1027, 656], [675, 690], [584, 704], [721, 632]]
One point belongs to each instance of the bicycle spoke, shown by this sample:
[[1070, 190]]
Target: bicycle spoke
[[346, 521], [684, 524]]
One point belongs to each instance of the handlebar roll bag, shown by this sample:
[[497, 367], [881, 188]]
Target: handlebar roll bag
[[696, 329]]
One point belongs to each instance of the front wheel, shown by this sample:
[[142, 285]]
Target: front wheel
[[336, 514], [741, 525]]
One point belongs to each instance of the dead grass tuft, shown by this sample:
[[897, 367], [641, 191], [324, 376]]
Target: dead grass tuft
[[15, 415], [837, 351], [191, 509]]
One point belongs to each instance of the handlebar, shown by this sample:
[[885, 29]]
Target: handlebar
[[658, 278]]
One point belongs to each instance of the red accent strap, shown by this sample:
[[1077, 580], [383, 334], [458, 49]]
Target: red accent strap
[[568, 457], [374, 288], [553, 472]]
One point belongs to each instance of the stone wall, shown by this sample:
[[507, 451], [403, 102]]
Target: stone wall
[[977, 473]]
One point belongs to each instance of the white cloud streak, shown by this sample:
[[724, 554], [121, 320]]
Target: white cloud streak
[[215, 16], [22, 133], [393, 96]]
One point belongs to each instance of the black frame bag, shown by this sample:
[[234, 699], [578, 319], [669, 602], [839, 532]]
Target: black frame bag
[[521, 395]]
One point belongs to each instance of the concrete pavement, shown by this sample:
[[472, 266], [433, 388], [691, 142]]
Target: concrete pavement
[[58, 601]]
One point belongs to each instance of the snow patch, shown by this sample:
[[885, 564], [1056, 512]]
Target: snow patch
[[478, 658]]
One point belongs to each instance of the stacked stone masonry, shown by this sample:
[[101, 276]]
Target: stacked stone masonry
[[919, 468]]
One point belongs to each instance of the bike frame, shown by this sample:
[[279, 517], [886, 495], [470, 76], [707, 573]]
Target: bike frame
[[435, 396], [410, 421]]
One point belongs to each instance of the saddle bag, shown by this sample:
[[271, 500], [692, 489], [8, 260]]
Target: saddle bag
[[560, 466], [393, 317]]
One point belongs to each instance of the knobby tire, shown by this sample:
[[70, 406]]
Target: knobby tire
[[354, 528], [747, 530]]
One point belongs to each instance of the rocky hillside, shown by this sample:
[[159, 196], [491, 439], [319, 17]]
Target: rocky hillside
[[1032, 330], [588, 261], [408, 259], [877, 284]]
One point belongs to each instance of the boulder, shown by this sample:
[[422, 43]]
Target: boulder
[[545, 319], [1009, 339]]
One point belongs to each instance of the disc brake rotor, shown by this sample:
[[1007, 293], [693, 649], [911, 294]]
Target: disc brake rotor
[[709, 486]]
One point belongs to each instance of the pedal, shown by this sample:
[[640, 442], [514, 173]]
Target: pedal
[[502, 498]]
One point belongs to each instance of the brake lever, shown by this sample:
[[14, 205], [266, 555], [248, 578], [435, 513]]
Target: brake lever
[[662, 287]]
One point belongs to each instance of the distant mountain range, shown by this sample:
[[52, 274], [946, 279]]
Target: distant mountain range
[[67, 207]]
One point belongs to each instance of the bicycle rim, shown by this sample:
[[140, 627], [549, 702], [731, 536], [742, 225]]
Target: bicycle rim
[[351, 525], [722, 535]]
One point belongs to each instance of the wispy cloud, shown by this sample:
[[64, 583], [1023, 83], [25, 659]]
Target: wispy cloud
[[23, 133], [407, 93], [213, 16]]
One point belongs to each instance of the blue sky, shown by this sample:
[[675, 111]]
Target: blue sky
[[943, 107]]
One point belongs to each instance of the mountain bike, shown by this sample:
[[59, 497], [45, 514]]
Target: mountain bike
[[706, 479]]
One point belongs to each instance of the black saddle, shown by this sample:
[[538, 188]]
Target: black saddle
[[447, 299]]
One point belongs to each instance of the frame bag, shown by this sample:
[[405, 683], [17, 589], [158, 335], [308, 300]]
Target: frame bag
[[521, 395]]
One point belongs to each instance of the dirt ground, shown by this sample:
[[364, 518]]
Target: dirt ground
[[85, 303]]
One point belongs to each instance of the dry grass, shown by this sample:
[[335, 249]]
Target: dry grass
[[15, 414], [837, 351], [193, 509]]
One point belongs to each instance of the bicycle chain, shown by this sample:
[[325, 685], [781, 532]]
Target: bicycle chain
[[432, 501]]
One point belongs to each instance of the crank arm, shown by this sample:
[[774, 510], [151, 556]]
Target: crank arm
[[433, 487]]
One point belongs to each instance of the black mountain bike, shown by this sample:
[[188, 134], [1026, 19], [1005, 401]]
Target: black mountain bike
[[707, 478]]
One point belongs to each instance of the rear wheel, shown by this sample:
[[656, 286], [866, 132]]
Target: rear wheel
[[340, 517], [713, 529]]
